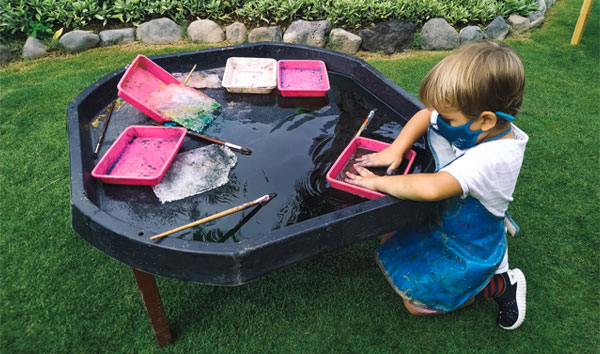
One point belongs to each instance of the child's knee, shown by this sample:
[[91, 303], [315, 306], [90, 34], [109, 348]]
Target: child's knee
[[411, 309], [386, 237], [418, 311]]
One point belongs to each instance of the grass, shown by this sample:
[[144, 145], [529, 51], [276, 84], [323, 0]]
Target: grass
[[59, 294]]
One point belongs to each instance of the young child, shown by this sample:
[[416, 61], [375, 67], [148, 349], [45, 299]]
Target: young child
[[471, 97]]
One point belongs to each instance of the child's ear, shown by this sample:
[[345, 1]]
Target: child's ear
[[488, 120]]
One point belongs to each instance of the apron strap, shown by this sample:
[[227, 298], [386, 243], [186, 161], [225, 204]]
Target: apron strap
[[511, 226]]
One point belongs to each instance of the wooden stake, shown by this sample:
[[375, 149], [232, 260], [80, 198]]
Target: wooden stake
[[260, 200], [586, 8], [151, 297]]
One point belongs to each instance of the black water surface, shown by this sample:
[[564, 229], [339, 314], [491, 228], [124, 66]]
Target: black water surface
[[294, 142]]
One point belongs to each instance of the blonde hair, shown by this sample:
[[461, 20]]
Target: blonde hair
[[478, 76]]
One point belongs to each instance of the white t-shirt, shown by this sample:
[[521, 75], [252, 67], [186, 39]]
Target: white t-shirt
[[488, 171]]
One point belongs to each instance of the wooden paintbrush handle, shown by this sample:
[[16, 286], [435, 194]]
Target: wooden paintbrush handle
[[369, 117], [207, 138], [262, 199], [204, 220], [189, 75], [244, 150]]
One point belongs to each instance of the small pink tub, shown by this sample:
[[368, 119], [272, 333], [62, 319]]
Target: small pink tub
[[141, 155], [358, 147], [142, 78], [302, 78]]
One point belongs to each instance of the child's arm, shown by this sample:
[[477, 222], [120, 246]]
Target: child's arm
[[392, 155], [420, 186]]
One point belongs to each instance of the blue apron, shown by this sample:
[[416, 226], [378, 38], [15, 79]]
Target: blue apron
[[440, 266]]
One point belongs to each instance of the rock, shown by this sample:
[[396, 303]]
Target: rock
[[33, 48], [159, 31], [236, 33], [389, 37], [498, 29], [470, 33], [537, 17], [437, 34], [518, 24], [205, 31], [344, 41], [549, 3], [116, 36], [5, 54], [265, 34], [308, 32], [77, 41]]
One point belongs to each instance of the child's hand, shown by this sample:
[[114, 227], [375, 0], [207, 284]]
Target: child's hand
[[383, 158], [364, 178]]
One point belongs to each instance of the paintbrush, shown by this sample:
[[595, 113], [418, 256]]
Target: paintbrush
[[101, 137], [261, 200], [189, 75], [243, 150], [369, 117]]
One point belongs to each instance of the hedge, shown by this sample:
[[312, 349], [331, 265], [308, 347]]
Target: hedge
[[40, 18]]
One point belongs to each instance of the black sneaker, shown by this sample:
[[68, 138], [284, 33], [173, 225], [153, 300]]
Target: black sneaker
[[512, 301]]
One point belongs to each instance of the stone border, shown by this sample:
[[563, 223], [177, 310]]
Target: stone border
[[387, 37]]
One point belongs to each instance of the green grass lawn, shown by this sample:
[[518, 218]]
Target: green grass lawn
[[59, 294]]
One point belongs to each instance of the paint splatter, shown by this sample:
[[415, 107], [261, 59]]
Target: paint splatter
[[184, 105], [142, 157], [97, 120]]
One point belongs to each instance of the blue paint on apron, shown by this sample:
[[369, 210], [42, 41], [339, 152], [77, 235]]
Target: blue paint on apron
[[441, 266]]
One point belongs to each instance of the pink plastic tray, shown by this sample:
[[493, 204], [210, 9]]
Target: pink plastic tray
[[140, 155], [349, 153], [302, 78], [142, 78]]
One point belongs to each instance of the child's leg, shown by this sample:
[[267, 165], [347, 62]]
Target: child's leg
[[496, 285], [493, 289], [509, 290], [504, 264]]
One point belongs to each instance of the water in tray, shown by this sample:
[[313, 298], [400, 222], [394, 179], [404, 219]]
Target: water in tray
[[293, 148], [348, 167]]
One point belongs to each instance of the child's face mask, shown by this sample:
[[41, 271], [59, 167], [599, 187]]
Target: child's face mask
[[462, 136]]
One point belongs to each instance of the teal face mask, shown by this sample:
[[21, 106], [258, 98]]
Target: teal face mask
[[462, 136]]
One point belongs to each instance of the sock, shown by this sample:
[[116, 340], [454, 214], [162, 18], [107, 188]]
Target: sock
[[494, 288]]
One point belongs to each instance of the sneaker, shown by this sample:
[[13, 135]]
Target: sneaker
[[512, 301]]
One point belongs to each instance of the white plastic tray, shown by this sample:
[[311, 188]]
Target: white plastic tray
[[250, 75]]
